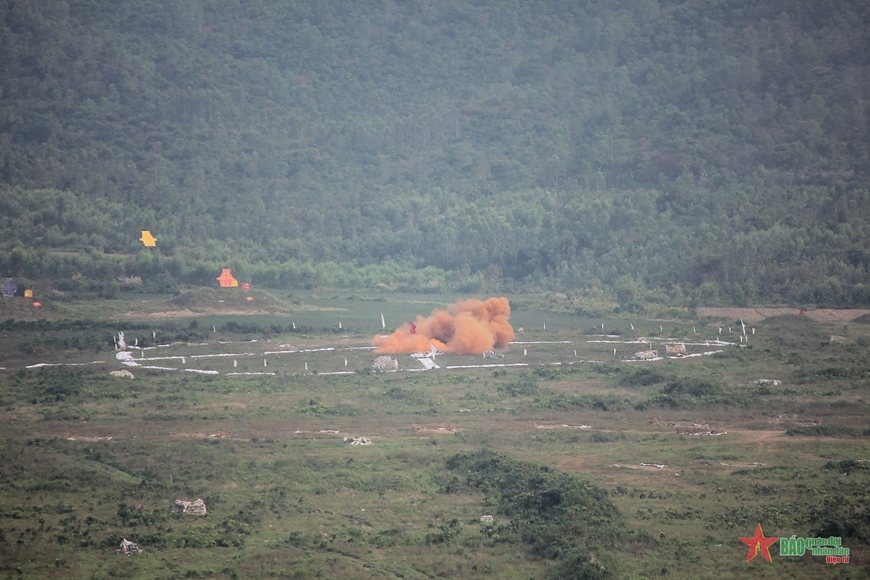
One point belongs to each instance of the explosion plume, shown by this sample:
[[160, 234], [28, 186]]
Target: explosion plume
[[468, 327]]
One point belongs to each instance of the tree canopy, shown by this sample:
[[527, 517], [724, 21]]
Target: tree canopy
[[713, 149]]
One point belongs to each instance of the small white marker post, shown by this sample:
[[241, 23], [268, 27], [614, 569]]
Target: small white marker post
[[525, 352], [235, 363], [345, 362], [294, 326], [306, 366], [265, 364]]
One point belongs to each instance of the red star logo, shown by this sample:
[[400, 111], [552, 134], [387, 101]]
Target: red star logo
[[758, 543]]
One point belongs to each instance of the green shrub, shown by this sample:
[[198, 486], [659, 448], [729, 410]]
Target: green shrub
[[524, 384]]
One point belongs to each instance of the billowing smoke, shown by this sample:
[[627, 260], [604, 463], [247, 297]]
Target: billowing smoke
[[469, 327]]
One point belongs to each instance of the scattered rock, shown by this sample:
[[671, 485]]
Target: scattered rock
[[436, 429]]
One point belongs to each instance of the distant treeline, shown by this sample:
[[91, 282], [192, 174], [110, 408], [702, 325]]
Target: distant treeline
[[698, 150]]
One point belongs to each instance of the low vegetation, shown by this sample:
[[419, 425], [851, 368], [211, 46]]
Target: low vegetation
[[599, 469]]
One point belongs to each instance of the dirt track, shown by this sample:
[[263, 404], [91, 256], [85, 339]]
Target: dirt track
[[755, 314]]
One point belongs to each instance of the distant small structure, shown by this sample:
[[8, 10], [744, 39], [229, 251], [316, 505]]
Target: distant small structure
[[678, 349], [385, 363], [196, 507], [357, 440], [123, 374], [492, 354], [127, 547], [646, 354], [486, 519]]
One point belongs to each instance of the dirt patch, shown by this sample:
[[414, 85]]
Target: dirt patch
[[213, 435], [757, 314], [162, 312], [757, 436], [199, 301], [169, 314], [436, 429]]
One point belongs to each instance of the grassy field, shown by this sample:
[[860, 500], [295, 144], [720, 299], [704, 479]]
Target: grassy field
[[591, 464]]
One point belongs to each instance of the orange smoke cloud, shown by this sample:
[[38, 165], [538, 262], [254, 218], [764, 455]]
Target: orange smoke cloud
[[469, 327]]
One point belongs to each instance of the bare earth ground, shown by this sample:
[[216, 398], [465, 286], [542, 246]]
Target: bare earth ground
[[187, 313], [756, 314]]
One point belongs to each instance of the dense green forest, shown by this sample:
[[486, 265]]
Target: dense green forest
[[703, 150]]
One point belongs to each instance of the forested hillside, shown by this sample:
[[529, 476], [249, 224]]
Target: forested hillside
[[706, 150]]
